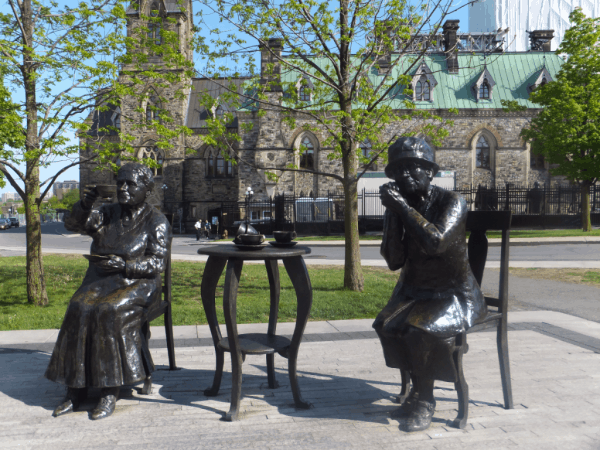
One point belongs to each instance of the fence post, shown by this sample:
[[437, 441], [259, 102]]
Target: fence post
[[507, 205]]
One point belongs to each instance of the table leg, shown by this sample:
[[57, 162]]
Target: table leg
[[212, 272], [232, 281], [274, 284], [298, 274]]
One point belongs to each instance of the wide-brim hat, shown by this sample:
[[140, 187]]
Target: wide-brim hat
[[407, 149]]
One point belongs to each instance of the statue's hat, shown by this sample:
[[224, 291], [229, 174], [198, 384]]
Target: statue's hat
[[407, 149]]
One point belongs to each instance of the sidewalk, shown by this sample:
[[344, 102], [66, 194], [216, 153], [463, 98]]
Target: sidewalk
[[554, 366]]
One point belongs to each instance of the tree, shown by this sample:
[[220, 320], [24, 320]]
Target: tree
[[64, 63], [567, 131], [69, 199], [344, 69]]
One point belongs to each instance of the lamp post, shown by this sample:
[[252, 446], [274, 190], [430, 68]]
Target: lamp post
[[249, 194]]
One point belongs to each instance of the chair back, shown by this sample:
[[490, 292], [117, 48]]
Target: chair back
[[478, 223]]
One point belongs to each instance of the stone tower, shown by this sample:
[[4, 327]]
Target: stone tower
[[163, 99]]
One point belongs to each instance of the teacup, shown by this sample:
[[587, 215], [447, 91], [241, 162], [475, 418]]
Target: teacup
[[106, 190], [251, 239], [284, 237]]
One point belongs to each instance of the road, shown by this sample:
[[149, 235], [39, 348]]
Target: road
[[55, 238], [524, 293]]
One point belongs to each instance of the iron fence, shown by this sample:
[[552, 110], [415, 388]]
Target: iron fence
[[325, 214]]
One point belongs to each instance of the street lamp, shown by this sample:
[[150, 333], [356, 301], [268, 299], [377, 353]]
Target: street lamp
[[249, 194]]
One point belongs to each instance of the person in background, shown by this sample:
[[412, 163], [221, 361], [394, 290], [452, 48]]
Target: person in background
[[199, 228]]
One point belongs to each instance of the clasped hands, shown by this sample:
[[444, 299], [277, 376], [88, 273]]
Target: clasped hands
[[391, 197], [115, 264]]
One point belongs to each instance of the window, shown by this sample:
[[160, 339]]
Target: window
[[254, 215], [366, 148], [484, 90], [157, 155], [544, 81], [152, 110], [217, 166], [482, 153], [117, 121], [154, 34], [219, 112], [536, 161], [307, 154], [304, 94], [423, 90]]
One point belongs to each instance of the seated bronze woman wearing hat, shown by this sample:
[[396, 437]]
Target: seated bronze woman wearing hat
[[100, 343], [437, 296]]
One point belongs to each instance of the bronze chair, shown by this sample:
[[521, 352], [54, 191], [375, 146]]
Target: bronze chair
[[478, 223], [164, 308]]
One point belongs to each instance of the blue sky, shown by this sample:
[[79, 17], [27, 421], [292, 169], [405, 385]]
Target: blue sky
[[73, 173]]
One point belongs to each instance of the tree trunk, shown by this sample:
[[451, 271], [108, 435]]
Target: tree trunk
[[586, 221], [353, 274], [36, 286]]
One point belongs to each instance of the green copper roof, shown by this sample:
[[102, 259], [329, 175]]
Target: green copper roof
[[511, 72]]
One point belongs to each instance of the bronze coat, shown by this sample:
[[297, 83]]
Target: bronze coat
[[436, 293], [100, 343]]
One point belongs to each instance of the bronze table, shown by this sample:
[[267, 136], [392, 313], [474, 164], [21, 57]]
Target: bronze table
[[254, 343]]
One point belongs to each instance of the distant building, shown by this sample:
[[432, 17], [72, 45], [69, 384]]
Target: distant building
[[522, 16], [62, 187], [10, 197]]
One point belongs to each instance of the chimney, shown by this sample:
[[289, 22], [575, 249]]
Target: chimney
[[450, 29], [269, 55], [541, 40]]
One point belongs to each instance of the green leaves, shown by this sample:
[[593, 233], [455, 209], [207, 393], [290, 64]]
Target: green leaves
[[566, 130]]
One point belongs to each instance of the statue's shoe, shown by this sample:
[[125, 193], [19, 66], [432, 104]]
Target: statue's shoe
[[106, 405], [420, 417], [70, 403], [407, 406]]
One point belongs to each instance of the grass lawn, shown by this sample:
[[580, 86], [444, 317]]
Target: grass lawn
[[64, 274], [491, 234]]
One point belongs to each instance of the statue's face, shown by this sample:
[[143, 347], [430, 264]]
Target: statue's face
[[131, 190], [412, 178]]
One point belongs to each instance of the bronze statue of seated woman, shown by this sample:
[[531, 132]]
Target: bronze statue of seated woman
[[100, 343], [437, 296]]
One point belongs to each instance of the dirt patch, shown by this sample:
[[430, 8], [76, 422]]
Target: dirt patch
[[575, 276]]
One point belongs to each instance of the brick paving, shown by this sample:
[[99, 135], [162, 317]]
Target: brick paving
[[555, 375]]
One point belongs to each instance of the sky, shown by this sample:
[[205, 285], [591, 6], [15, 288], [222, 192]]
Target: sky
[[73, 173]]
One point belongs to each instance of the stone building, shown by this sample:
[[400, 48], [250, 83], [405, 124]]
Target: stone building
[[483, 146], [60, 188]]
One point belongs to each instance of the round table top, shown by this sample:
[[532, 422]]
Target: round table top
[[267, 252]]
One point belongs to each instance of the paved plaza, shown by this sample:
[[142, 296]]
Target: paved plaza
[[555, 375]]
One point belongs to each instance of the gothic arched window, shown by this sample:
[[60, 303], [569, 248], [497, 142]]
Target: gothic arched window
[[307, 154], [155, 154], [365, 148], [484, 90], [423, 90], [152, 109], [217, 166], [304, 94], [482, 153]]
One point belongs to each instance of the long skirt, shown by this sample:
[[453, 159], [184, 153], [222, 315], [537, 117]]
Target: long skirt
[[100, 343]]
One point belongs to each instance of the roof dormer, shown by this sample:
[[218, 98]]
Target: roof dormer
[[484, 86], [423, 84], [542, 78]]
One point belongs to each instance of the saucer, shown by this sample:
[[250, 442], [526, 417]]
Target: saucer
[[250, 247], [283, 244], [96, 258]]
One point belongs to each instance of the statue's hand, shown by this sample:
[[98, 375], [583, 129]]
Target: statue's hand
[[89, 197], [391, 197], [115, 264]]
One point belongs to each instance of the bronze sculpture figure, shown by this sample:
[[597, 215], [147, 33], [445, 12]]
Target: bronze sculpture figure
[[437, 296], [100, 343]]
